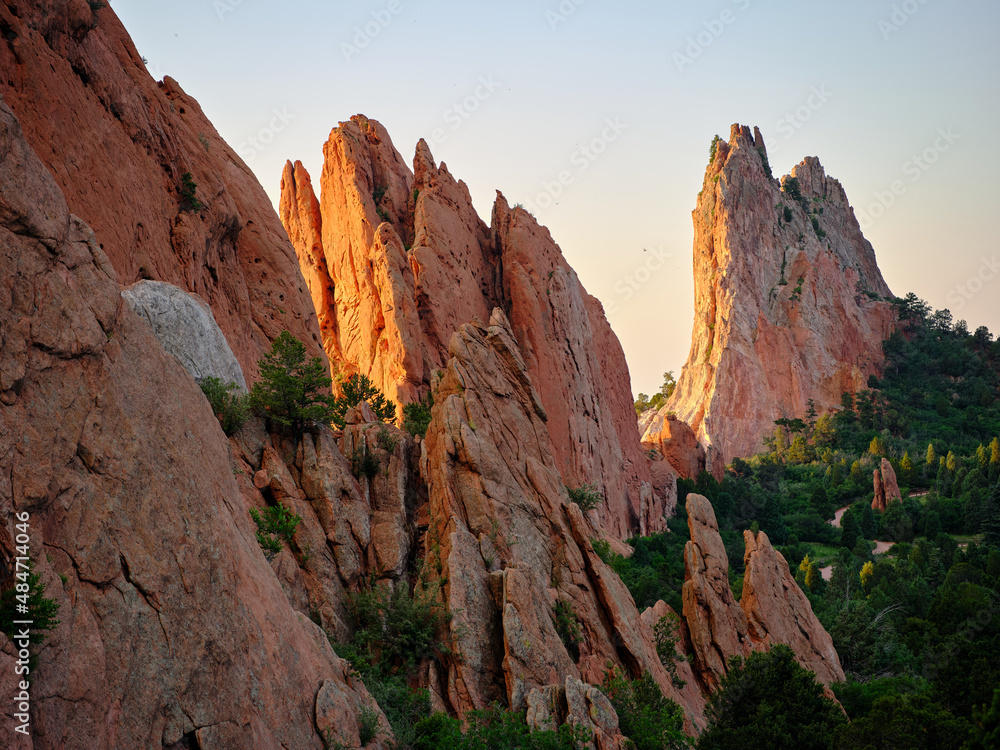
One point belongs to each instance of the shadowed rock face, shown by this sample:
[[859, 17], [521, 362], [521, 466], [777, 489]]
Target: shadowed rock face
[[508, 546], [119, 144], [397, 261], [783, 314], [172, 626]]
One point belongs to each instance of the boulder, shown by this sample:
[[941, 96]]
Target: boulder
[[184, 325]]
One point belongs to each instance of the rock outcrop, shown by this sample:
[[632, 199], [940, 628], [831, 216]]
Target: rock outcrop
[[119, 145], [185, 327], [772, 608], [676, 442], [510, 549], [790, 305], [716, 625], [778, 612], [174, 632], [886, 486], [384, 250]]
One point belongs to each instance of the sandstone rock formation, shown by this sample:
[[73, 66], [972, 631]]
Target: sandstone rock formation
[[675, 441], [778, 612], [119, 144], [507, 544], [383, 250], [886, 486], [789, 301], [716, 625], [173, 630], [772, 608], [185, 327]]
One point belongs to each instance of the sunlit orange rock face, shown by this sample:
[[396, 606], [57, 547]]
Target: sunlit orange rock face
[[118, 145], [397, 260], [784, 312]]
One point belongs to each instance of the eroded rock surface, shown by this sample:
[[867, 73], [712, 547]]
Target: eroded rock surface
[[789, 302], [886, 486], [173, 627], [384, 250], [185, 327], [119, 144]]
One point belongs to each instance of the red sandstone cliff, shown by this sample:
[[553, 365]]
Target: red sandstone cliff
[[785, 312], [398, 261], [118, 145]]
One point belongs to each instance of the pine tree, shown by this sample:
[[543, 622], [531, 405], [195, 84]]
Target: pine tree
[[851, 529], [869, 526], [906, 469], [292, 392], [877, 447]]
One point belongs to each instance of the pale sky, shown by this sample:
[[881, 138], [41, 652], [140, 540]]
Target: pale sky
[[597, 115]]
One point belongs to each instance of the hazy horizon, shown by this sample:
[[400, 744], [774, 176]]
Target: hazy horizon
[[598, 118]]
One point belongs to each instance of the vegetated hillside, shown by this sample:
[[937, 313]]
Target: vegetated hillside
[[915, 626]]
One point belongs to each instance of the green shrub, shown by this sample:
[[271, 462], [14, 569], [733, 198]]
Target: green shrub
[[368, 725], [356, 389], [290, 392], [275, 524], [587, 496], [189, 193], [393, 631], [645, 716], [228, 403], [386, 440], [713, 148], [666, 634], [568, 627], [27, 590], [403, 706], [768, 700], [788, 214], [364, 463], [417, 416], [495, 728]]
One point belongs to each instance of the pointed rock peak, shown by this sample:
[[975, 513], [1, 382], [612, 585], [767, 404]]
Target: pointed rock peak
[[423, 162]]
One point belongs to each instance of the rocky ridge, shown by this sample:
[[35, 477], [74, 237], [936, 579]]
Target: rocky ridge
[[790, 305], [383, 248], [119, 145]]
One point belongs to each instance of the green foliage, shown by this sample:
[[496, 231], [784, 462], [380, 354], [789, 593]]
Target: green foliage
[[27, 590], [228, 403], [403, 706], [768, 700], [368, 725], [787, 212], [495, 728], [713, 148], [417, 416], [568, 627], [189, 193], [645, 716], [665, 633], [356, 389], [763, 160], [274, 525], [394, 630], [659, 399], [986, 732], [892, 722], [364, 462], [587, 496], [291, 391]]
